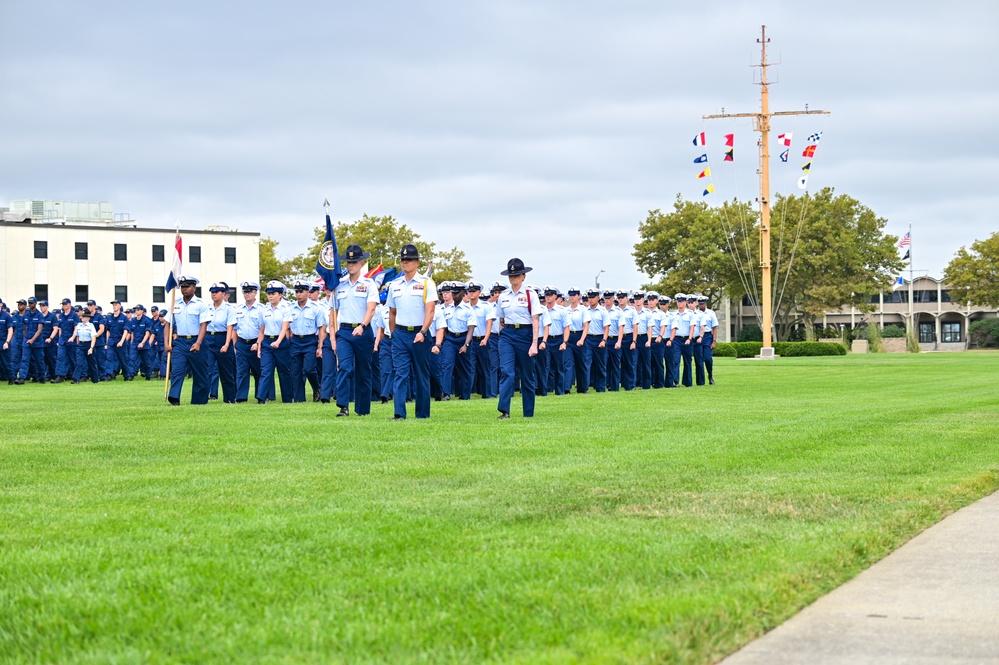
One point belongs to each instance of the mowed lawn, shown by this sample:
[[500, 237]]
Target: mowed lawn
[[643, 527]]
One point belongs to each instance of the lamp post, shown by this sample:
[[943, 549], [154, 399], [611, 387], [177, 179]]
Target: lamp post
[[596, 280]]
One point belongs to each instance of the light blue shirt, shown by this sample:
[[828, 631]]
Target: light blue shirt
[[627, 320], [85, 331], [409, 299], [578, 318], [518, 307], [598, 320], [708, 321], [187, 317], [222, 318], [641, 319], [544, 320], [306, 320], [248, 320], [459, 318], [380, 319], [479, 312], [559, 317], [493, 316], [351, 300], [614, 318], [683, 323], [273, 318], [435, 324]]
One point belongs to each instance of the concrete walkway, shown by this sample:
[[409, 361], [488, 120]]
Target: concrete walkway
[[935, 600]]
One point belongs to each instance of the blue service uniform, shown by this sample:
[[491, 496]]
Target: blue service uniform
[[66, 355], [492, 350], [657, 324], [696, 348], [117, 357], [542, 361], [142, 354], [454, 356], [306, 322], [51, 348], [248, 321], [575, 356], [99, 321], [596, 348], [709, 321], [385, 372], [33, 353], [686, 333], [354, 353], [275, 357], [17, 345], [613, 352], [6, 329], [411, 300], [558, 319], [627, 324], [85, 356], [516, 310], [643, 352], [218, 337], [186, 319], [328, 376]]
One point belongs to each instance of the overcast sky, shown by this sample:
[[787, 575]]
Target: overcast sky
[[539, 129]]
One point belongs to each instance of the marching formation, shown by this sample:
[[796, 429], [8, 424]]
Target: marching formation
[[407, 341]]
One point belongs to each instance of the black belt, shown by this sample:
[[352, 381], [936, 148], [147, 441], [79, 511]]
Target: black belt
[[271, 336], [215, 333], [478, 336], [349, 326], [187, 336], [517, 326], [409, 328], [457, 334], [595, 335], [248, 341], [312, 335]]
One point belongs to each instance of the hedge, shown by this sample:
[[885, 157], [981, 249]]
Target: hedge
[[783, 349]]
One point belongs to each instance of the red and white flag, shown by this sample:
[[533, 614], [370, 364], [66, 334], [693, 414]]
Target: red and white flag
[[785, 138]]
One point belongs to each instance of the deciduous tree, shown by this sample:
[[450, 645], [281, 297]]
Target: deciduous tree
[[973, 276]]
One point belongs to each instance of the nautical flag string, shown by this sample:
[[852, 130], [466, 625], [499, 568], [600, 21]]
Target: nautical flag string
[[707, 190], [809, 151], [785, 139], [730, 155], [814, 138], [705, 173], [783, 155], [700, 139], [807, 166], [729, 139], [702, 159]]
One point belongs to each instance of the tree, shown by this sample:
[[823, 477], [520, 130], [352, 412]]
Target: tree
[[271, 267], [691, 248], [383, 237], [973, 276]]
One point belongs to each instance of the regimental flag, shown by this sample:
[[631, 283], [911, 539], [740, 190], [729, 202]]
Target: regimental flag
[[783, 155], [328, 262], [900, 281], [803, 182], [708, 190], [904, 242], [705, 173], [809, 151], [807, 166], [384, 278], [703, 159], [730, 155], [906, 257], [176, 268], [371, 273], [730, 140], [700, 139], [814, 138], [785, 139]]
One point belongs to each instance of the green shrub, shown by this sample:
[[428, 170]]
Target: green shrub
[[873, 335], [893, 331], [829, 332], [751, 333], [984, 333], [725, 350], [797, 349]]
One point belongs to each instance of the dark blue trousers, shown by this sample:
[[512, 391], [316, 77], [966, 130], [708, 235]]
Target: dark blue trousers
[[16, 352], [86, 362], [687, 354], [410, 359], [120, 360], [455, 365], [275, 359], [66, 364], [542, 364], [658, 355], [182, 361], [492, 375], [385, 371], [613, 365], [354, 357], [100, 351], [247, 365], [33, 363], [708, 354], [577, 354], [556, 368], [303, 365], [6, 370], [643, 362], [597, 362], [327, 387], [698, 352], [225, 364], [515, 344], [628, 361], [144, 360]]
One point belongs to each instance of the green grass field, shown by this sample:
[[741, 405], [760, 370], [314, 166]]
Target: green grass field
[[645, 527]]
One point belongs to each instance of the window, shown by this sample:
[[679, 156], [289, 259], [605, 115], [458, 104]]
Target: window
[[927, 333], [928, 295], [82, 293], [197, 291], [42, 291], [230, 254], [120, 252], [194, 254], [81, 251], [41, 250], [159, 294], [121, 293], [952, 332], [157, 252], [945, 296], [876, 299]]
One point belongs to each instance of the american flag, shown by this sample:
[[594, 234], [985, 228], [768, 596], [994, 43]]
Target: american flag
[[904, 242]]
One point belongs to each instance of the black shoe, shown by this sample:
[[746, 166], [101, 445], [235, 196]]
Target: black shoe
[[19, 382], [58, 379], [408, 401], [384, 400], [240, 401], [324, 401], [344, 411], [76, 381], [445, 398], [174, 401], [315, 395], [398, 417], [10, 382], [711, 381], [261, 401], [503, 415], [149, 378], [209, 397]]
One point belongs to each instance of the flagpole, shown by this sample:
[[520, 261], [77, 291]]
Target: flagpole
[[173, 300], [912, 322]]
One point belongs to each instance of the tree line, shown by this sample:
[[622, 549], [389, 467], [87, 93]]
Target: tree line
[[382, 236]]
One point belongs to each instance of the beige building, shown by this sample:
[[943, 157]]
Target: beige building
[[54, 258], [940, 323]]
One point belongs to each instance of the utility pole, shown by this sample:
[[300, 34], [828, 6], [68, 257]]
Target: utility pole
[[761, 124]]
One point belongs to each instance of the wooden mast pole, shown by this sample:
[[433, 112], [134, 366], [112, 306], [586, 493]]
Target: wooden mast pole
[[761, 124]]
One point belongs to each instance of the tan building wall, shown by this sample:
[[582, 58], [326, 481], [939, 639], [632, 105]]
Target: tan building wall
[[62, 272]]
